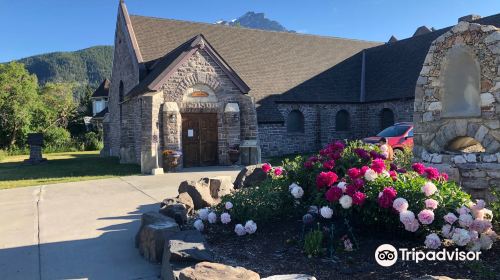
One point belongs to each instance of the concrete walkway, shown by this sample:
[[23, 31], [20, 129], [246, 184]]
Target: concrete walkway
[[83, 230]]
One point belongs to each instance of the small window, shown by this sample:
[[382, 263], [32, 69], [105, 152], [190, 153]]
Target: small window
[[295, 122], [386, 118], [342, 121]]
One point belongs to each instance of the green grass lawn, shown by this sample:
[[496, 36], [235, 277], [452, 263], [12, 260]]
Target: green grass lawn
[[61, 167]]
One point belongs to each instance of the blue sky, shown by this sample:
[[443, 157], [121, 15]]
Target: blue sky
[[30, 27]]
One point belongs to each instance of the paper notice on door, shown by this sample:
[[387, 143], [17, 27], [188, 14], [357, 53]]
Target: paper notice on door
[[190, 133]]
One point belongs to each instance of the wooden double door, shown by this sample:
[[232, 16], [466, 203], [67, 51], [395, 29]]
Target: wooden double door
[[199, 139]]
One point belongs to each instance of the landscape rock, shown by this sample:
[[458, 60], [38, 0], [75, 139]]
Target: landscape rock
[[167, 272], [220, 186], [290, 277], [174, 210], [250, 176], [210, 271], [199, 193], [189, 246], [155, 230]]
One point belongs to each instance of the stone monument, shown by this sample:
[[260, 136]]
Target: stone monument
[[35, 140]]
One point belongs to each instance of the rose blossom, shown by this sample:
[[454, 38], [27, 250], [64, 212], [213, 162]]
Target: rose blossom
[[203, 214], [431, 203], [353, 173], [386, 197], [250, 227], [378, 165], [333, 194], [342, 186], [225, 218], [278, 171], [429, 189], [358, 198], [212, 218], [465, 220], [450, 218], [363, 170], [297, 192], [326, 179], [326, 212], [432, 241], [345, 201], [461, 237], [446, 230], [426, 217], [432, 173], [228, 205], [418, 167], [351, 189], [329, 164], [370, 175], [406, 216], [240, 230], [412, 226], [198, 225], [400, 204], [266, 167]]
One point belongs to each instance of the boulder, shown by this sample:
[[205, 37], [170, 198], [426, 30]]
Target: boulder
[[189, 246], [155, 231], [186, 199], [250, 176], [199, 192], [220, 186], [176, 211], [290, 277], [167, 272], [210, 271]]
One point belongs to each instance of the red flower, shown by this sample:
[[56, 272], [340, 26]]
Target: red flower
[[353, 173], [326, 179], [432, 173], [333, 194], [329, 164], [418, 167], [387, 197], [266, 167], [351, 189], [278, 171], [363, 170], [378, 165], [358, 198], [393, 175]]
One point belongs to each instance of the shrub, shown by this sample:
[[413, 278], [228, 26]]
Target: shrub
[[92, 141], [56, 138]]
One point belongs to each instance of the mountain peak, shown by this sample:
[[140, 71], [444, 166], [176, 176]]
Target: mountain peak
[[256, 21]]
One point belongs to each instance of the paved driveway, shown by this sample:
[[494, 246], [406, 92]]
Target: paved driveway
[[83, 230]]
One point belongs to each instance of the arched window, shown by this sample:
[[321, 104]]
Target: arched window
[[295, 122], [461, 84], [342, 121], [120, 98], [386, 118]]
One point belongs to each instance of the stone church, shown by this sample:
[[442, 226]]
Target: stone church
[[203, 89]]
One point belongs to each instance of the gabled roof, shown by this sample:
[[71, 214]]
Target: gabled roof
[[102, 90], [270, 62], [162, 68]]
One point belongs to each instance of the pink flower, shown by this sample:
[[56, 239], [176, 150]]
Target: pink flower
[[450, 218], [333, 194], [431, 203], [400, 204], [412, 226], [358, 198], [351, 189], [358, 182], [406, 216], [393, 174], [266, 167], [429, 189], [329, 164], [480, 225], [418, 167], [432, 241], [378, 165], [278, 171], [326, 179], [387, 197], [363, 170], [465, 220], [444, 176], [432, 173], [426, 217], [308, 164], [353, 173]]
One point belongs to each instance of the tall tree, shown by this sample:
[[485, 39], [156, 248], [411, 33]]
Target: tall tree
[[18, 95]]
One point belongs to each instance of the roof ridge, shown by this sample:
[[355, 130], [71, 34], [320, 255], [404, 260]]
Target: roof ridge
[[257, 30]]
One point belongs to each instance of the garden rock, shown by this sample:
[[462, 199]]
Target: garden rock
[[209, 271], [220, 186], [155, 231], [199, 192], [176, 211], [290, 277], [189, 246], [250, 176], [167, 272]]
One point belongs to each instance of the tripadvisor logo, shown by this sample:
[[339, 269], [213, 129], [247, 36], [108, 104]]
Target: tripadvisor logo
[[387, 255]]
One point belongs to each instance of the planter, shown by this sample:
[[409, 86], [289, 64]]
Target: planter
[[170, 163], [234, 156]]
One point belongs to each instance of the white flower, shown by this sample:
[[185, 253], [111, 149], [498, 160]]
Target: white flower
[[465, 220], [486, 242], [370, 175], [212, 218], [240, 230], [400, 204], [293, 185], [406, 216], [250, 227], [203, 213], [474, 246], [297, 192], [429, 188], [225, 218], [474, 235], [198, 224], [487, 214], [386, 174], [342, 186], [461, 237], [432, 241], [345, 201], [446, 231], [326, 212], [229, 205]]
